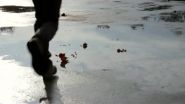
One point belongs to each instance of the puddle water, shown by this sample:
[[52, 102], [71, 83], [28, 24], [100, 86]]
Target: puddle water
[[106, 53], [19, 84]]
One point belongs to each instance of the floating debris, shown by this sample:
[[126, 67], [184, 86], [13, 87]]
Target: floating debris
[[74, 55], [103, 26], [7, 29], [65, 45], [84, 45], [136, 26], [121, 50], [63, 59], [63, 15]]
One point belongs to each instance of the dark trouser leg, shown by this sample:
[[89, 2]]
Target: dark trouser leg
[[47, 14], [46, 25], [47, 31], [46, 11]]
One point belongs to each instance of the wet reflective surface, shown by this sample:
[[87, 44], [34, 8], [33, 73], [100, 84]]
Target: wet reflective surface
[[118, 52], [18, 83], [16, 9]]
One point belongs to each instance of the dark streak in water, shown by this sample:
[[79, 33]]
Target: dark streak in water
[[159, 7], [136, 26], [147, 4], [178, 31], [7, 29], [151, 6], [117, 1], [103, 26], [16, 9], [172, 0], [175, 16]]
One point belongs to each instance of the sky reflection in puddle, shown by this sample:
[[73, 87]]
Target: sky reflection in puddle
[[18, 83]]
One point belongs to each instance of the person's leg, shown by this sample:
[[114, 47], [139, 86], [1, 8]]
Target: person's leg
[[38, 6], [49, 19], [47, 14], [46, 11]]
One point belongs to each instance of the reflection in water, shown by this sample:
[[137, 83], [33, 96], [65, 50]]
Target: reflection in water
[[159, 7], [7, 29], [52, 91], [178, 31], [175, 16], [103, 26], [16, 9], [150, 6], [147, 4]]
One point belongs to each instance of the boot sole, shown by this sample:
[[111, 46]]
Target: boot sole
[[37, 58], [40, 63]]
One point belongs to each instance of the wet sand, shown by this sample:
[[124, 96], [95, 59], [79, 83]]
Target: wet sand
[[118, 52]]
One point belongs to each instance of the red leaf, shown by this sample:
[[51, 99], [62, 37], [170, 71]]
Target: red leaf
[[63, 59]]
